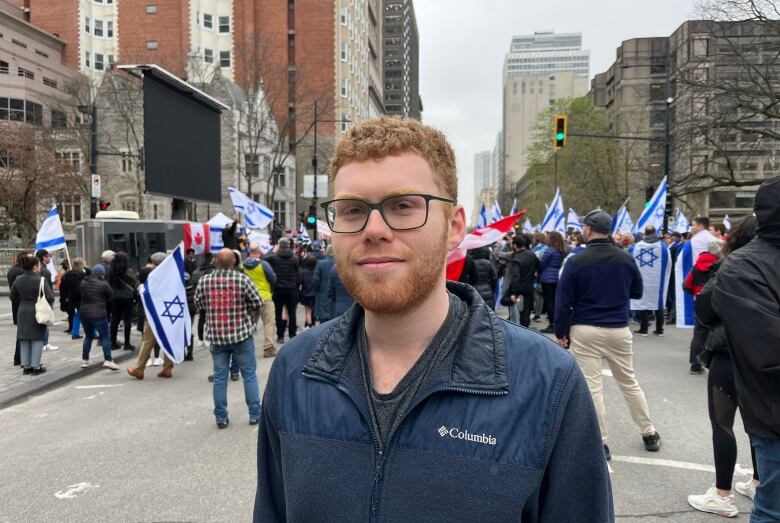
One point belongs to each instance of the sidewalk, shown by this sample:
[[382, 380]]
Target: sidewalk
[[62, 365]]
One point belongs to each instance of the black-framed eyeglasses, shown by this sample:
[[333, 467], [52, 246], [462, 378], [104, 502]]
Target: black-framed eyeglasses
[[402, 212]]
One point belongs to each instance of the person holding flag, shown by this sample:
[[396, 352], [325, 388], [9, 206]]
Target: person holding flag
[[231, 303], [652, 258]]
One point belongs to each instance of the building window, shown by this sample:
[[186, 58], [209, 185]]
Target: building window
[[127, 162], [71, 159], [252, 165], [343, 16], [48, 82], [130, 205], [86, 25], [151, 9], [658, 119], [280, 177], [69, 209], [343, 87], [21, 71], [34, 113], [343, 51], [110, 60], [151, 44], [86, 59], [110, 29], [99, 28], [3, 67], [98, 62], [280, 213], [155, 211], [291, 40], [208, 21], [59, 119], [224, 58], [208, 56], [41, 53], [224, 24]]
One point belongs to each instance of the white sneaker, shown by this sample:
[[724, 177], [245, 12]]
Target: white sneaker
[[84, 364], [747, 488], [157, 362], [53, 347], [149, 362], [110, 365], [714, 504]]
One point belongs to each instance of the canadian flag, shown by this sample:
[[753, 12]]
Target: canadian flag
[[479, 238], [196, 236]]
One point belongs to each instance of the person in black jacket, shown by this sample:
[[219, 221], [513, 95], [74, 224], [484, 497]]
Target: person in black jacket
[[285, 265], [29, 332], [486, 277], [123, 284], [524, 267], [722, 397], [95, 298], [14, 272], [306, 288], [70, 293], [747, 299]]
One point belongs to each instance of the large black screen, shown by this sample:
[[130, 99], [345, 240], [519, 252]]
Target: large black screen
[[181, 144]]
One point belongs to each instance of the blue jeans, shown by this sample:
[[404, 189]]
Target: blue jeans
[[30, 353], [243, 353], [101, 326], [766, 505]]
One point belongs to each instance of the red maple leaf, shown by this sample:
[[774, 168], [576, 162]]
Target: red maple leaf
[[198, 238]]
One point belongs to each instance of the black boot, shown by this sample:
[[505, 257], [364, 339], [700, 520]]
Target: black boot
[[188, 356]]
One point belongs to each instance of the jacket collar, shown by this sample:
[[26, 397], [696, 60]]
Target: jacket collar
[[477, 363]]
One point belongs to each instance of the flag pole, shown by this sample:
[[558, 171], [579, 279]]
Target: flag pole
[[67, 256]]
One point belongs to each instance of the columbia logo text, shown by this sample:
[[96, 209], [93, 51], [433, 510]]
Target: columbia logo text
[[456, 433]]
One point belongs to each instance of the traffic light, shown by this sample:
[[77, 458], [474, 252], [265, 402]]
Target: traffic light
[[560, 125], [104, 205], [311, 220]]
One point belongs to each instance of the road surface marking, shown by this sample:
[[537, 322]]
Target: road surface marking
[[75, 490], [41, 415], [738, 470], [80, 387], [94, 396]]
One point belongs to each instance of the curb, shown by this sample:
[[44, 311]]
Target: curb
[[52, 379]]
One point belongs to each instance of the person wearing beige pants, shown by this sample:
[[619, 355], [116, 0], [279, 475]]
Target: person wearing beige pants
[[268, 317], [590, 346]]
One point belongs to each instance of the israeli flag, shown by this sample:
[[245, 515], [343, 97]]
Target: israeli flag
[[303, 233], [514, 208], [528, 227], [256, 215], [555, 220], [573, 221], [686, 257], [622, 222], [654, 212], [680, 223], [495, 212], [655, 265], [50, 236], [482, 217], [165, 303], [727, 222]]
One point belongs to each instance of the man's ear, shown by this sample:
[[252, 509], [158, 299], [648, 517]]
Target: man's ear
[[457, 227]]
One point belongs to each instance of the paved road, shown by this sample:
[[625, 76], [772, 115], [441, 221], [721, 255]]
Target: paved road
[[107, 447]]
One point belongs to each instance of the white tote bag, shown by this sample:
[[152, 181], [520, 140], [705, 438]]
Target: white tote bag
[[43, 313]]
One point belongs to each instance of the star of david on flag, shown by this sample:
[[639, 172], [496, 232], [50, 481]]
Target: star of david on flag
[[646, 257], [165, 305], [555, 220]]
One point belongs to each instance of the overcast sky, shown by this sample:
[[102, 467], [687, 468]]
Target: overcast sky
[[462, 48]]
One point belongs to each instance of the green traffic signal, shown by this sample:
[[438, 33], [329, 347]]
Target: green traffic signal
[[311, 220], [559, 136]]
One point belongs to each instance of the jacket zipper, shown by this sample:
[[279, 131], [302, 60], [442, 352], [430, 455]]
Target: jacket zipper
[[381, 453]]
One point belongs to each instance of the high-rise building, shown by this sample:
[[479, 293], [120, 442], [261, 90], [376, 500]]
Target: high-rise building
[[538, 70], [401, 60], [297, 51], [697, 75]]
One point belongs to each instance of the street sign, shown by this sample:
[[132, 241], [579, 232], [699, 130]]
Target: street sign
[[96, 186], [308, 186]]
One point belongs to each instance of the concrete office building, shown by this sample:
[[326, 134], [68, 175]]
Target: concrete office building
[[538, 70], [402, 60]]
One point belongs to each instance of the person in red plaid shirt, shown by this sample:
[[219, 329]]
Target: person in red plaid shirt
[[232, 306]]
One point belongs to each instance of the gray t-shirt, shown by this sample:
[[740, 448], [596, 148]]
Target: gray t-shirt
[[387, 409]]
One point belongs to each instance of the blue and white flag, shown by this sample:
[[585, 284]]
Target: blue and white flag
[[655, 265], [654, 212], [303, 233], [686, 257], [727, 222], [573, 221], [680, 223], [622, 222], [528, 227], [514, 207], [555, 220], [256, 215], [495, 212], [50, 235], [165, 303], [482, 217]]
